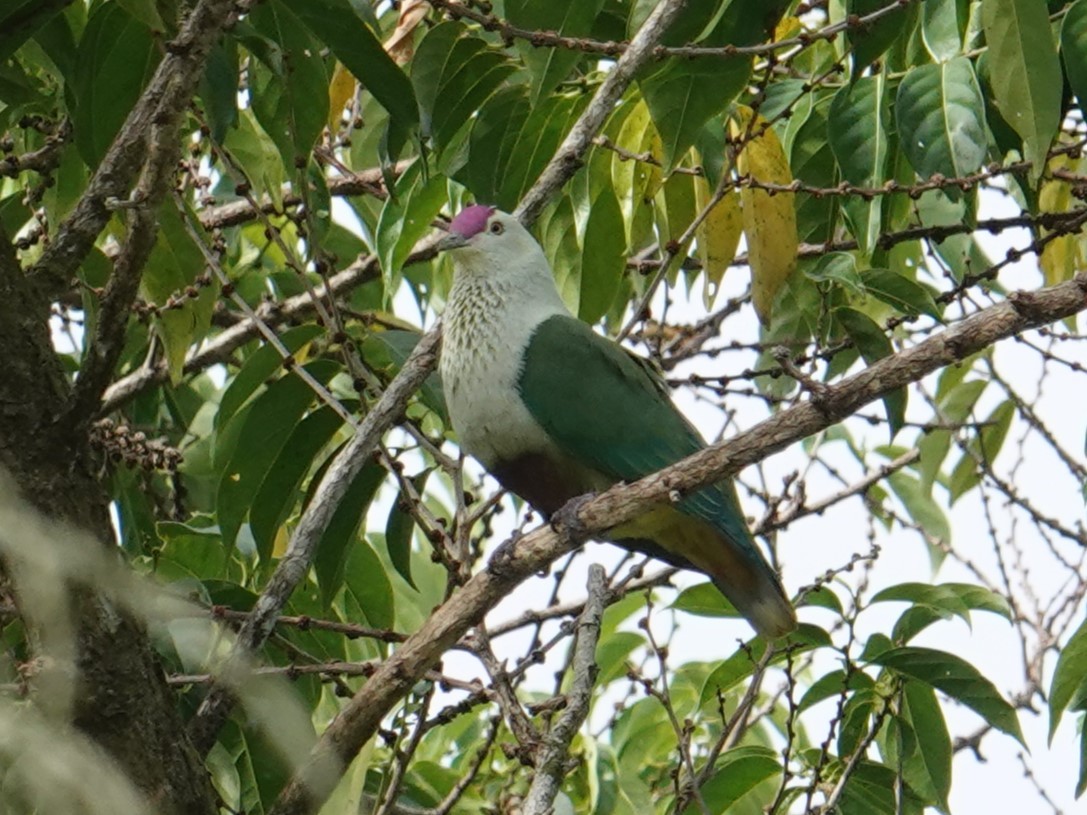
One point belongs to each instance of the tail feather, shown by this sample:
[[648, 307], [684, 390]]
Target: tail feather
[[737, 569], [762, 602]]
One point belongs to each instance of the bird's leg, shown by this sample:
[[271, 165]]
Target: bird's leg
[[566, 521]]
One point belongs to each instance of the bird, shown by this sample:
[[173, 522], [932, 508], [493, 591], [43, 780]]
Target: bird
[[554, 411]]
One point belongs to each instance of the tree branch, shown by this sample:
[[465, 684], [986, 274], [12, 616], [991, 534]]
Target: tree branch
[[111, 326], [514, 562], [567, 158], [553, 759], [293, 566], [162, 103]]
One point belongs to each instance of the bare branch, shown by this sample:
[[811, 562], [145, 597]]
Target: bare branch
[[553, 759]]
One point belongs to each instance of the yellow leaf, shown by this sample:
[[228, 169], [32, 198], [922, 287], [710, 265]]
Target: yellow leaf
[[718, 236], [635, 182], [340, 90], [788, 27], [769, 220], [279, 545], [1060, 256]]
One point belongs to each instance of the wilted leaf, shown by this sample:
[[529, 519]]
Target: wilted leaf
[[718, 236], [769, 220]]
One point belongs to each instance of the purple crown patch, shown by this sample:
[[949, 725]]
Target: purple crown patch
[[471, 220]]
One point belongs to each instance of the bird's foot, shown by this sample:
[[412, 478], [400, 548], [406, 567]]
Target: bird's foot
[[566, 521]]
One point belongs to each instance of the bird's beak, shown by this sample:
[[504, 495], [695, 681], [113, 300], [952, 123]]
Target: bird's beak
[[452, 241]]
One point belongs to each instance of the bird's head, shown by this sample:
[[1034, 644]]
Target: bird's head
[[481, 235]]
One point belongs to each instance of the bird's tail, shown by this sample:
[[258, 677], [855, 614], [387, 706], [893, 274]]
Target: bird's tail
[[760, 598], [737, 569]]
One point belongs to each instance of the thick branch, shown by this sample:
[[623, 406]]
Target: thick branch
[[219, 349], [163, 101], [515, 562], [111, 326]]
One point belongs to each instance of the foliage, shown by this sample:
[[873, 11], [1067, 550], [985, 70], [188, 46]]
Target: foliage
[[847, 153]]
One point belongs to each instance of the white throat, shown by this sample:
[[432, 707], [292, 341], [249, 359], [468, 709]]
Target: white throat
[[494, 307]]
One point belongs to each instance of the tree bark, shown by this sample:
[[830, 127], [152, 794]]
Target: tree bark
[[119, 698]]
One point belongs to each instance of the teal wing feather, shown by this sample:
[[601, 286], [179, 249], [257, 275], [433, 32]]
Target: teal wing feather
[[607, 409]]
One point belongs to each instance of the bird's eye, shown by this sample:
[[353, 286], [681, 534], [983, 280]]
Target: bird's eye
[[497, 228]]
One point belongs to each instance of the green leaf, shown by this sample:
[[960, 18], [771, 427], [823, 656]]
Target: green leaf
[[705, 600], [742, 663], [354, 44], [857, 134], [268, 425], [405, 218], [454, 73], [603, 257], [635, 182], [954, 405], [22, 19], [870, 41], [928, 768], [117, 55], [1069, 677], [172, 268], [739, 771], [368, 587], [958, 679], [1026, 75], [833, 684], [219, 89], [839, 268], [1074, 49], [258, 368], [943, 26], [258, 156], [921, 507], [856, 718], [612, 653], [398, 533], [572, 18], [984, 447], [874, 345], [511, 142], [391, 348], [290, 99], [823, 597], [935, 602], [335, 549], [277, 496], [683, 95], [940, 114], [870, 790], [905, 295]]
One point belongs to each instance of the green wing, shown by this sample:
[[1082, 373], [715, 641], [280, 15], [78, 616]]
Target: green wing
[[606, 409]]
